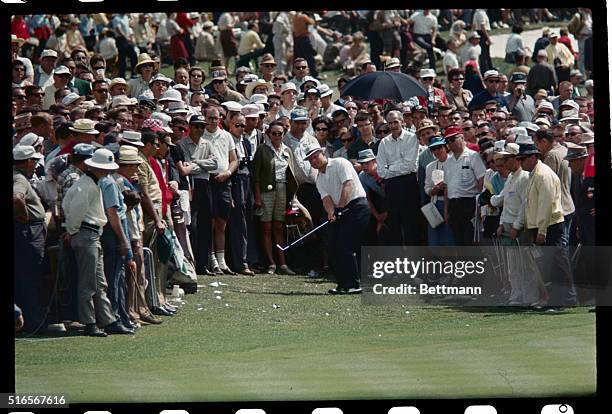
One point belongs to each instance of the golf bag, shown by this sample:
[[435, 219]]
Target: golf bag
[[181, 269]]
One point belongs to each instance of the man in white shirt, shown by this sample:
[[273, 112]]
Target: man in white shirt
[[522, 270], [425, 30], [224, 150], [397, 165], [345, 202], [61, 78], [464, 176], [471, 50], [450, 59], [85, 218], [43, 75]]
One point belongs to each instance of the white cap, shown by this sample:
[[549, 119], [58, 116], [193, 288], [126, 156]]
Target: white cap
[[162, 117], [544, 104], [232, 106], [588, 83], [288, 86], [61, 70], [133, 137], [544, 121], [250, 111], [570, 102], [427, 73], [25, 152], [48, 53], [491, 74], [70, 98], [180, 86], [102, 159], [258, 98]]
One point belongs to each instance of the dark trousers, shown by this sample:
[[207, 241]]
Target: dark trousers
[[425, 42], [347, 234], [67, 279], [461, 211], [310, 255], [201, 223], [28, 255], [125, 50], [238, 230], [402, 195], [189, 46], [376, 48], [484, 61], [555, 268], [302, 48], [245, 60], [114, 271]]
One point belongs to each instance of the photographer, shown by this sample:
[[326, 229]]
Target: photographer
[[521, 105]]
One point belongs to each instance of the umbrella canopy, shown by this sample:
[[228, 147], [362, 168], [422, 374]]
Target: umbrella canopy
[[389, 85]]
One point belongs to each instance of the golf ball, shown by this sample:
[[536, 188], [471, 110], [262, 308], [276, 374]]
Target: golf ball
[[270, 186]]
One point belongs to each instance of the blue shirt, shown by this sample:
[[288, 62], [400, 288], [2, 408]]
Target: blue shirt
[[483, 97], [112, 197]]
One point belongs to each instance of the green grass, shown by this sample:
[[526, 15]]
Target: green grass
[[316, 347]]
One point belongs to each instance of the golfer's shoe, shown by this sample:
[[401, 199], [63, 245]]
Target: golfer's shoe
[[345, 291]]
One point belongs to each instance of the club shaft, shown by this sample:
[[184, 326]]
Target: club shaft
[[304, 236]]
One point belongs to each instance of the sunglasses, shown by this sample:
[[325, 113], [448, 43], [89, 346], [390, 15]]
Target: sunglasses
[[240, 126], [427, 79], [458, 79], [101, 90], [340, 121], [269, 65], [19, 97], [99, 67], [383, 131], [493, 81], [217, 82], [301, 67], [346, 140], [466, 129], [181, 129], [498, 119], [276, 134], [278, 85], [491, 110], [321, 129]]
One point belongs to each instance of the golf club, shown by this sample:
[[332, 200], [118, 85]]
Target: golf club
[[339, 213]]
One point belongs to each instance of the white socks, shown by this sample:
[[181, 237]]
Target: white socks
[[221, 259], [212, 260]]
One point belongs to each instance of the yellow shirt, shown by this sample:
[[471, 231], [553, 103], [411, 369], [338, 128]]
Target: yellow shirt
[[561, 52], [543, 202], [148, 180]]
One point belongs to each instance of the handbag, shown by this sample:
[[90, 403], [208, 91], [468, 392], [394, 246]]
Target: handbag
[[164, 244], [431, 213]]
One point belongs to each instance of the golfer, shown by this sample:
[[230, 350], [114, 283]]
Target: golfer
[[344, 200]]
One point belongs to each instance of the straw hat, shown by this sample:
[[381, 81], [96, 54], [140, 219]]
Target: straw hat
[[143, 59], [84, 126], [252, 85]]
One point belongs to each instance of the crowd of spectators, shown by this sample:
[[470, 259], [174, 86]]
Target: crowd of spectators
[[126, 179]]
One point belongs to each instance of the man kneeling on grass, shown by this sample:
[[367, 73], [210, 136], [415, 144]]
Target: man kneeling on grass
[[345, 202]]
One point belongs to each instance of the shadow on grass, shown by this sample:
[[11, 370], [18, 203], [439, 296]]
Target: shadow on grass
[[283, 293]]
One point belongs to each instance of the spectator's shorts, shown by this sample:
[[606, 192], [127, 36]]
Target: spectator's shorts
[[221, 198]]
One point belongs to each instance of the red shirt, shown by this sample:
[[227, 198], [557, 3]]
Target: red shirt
[[163, 183], [437, 92], [19, 28]]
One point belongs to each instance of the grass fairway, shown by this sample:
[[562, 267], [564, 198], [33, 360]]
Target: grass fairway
[[283, 338]]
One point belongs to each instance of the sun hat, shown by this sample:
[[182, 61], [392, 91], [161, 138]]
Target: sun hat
[[436, 142], [177, 108], [288, 86], [161, 78], [267, 58], [491, 74], [587, 138], [117, 81], [123, 100], [312, 150], [102, 159], [171, 95], [299, 114], [511, 148], [392, 63], [84, 126], [31, 139], [143, 59], [164, 118], [426, 124], [250, 111], [575, 151], [132, 137], [61, 70], [156, 124], [15, 39], [527, 149], [23, 121], [252, 85], [427, 73], [365, 155], [218, 75], [70, 98], [232, 106], [84, 150], [325, 90], [25, 152], [48, 53], [258, 98]]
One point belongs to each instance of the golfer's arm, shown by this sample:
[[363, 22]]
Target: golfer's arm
[[347, 189], [328, 205]]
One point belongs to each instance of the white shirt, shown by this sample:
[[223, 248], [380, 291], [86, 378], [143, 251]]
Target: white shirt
[[397, 156], [83, 203], [337, 172], [512, 198], [424, 25], [226, 21], [514, 43], [449, 60], [222, 144], [108, 48], [461, 174], [480, 18], [429, 184], [470, 52]]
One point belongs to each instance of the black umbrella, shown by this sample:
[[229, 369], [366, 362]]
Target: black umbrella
[[389, 85]]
